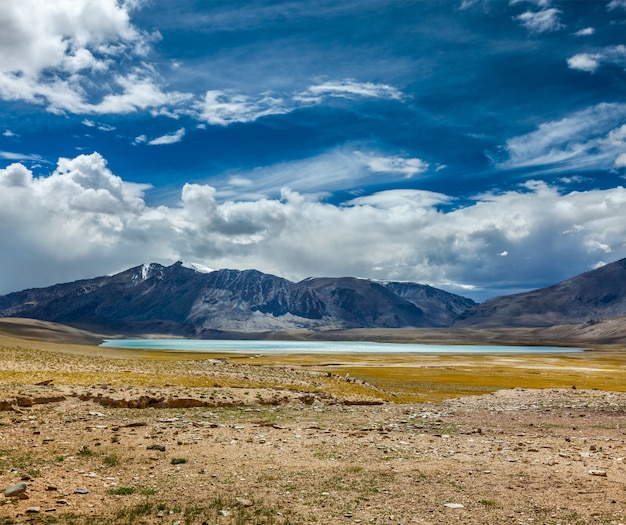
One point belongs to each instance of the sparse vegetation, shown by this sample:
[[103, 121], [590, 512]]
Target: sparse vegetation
[[301, 449]]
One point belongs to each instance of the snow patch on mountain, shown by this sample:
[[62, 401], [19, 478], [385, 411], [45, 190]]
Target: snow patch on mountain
[[200, 268]]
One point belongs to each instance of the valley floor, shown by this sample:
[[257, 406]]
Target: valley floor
[[171, 438]]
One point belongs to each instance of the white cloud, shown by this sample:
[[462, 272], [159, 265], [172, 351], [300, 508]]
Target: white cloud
[[584, 62], [140, 139], [466, 4], [539, 3], [82, 220], [541, 21], [8, 133], [408, 167], [620, 161], [341, 169], [171, 138], [615, 4], [10, 155], [221, 108], [591, 62], [224, 108], [588, 139], [348, 89], [587, 31], [64, 55]]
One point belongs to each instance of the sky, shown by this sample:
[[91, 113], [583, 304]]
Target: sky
[[478, 146]]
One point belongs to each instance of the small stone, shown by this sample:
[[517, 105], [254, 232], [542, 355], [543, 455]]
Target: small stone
[[454, 505], [81, 490], [243, 502], [223, 512], [33, 510], [599, 473], [61, 502], [15, 490], [52, 488]]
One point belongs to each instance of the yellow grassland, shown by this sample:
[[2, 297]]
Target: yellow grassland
[[31, 356]]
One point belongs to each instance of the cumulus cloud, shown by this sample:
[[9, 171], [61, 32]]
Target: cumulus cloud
[[55, 53], [587, 139], [171, 138], [584, 62], [224, 108], [590, 62], [83, 220], [543, 21]]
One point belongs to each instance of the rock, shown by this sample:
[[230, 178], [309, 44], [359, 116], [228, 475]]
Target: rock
[[33, 510], [454, 505], [52, 488], [15, 490], [243, 502], [599, 473], [81, 490], [61, 502], [223, 512]]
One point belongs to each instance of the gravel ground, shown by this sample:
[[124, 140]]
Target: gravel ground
[[553, 456]]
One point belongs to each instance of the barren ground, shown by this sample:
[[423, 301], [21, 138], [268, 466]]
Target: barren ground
[[231, 441]]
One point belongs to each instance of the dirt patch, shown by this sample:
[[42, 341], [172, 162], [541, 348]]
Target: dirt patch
[[516, 456]]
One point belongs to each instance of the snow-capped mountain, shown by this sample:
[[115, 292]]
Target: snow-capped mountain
[[188, 300]]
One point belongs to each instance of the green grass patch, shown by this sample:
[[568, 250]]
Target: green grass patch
[[122, 491]]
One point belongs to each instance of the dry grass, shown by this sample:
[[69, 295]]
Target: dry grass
[[28, 356]]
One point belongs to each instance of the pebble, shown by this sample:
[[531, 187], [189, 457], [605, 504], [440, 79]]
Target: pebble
[[33, 510], [15, 490], [244, 502], [81, 490], [454, 505], [600, 473]]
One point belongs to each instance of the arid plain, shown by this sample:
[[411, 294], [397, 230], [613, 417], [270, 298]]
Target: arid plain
[[99, 436]]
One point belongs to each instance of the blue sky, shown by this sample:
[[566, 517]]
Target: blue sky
[[475, 145]]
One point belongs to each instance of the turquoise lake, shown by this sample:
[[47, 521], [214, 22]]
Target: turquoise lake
[[324, 347]]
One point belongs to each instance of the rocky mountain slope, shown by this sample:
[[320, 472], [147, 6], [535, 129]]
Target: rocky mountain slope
[[181, 300], [587, 298]]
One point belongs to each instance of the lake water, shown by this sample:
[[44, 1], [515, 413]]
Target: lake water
[[324, 347]]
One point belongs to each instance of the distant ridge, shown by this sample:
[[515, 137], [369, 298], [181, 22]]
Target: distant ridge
[[179, 300], [589, 297], [199, 302]]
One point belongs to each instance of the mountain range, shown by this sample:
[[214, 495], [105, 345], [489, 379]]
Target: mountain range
[[183, 300]]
